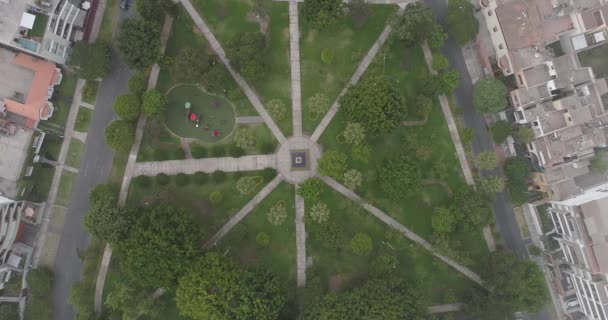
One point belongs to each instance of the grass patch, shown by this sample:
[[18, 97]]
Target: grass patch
[[89, 92], [158, 143], [63, 99], [348, 43], [39, 304], [119, 164], [109, 21], [75, 153], [195, 198], [83, 119], [38, 185], [39, 25], [66, 184], [596, 58]]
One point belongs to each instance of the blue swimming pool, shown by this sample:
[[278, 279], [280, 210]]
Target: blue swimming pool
[[28, 44]]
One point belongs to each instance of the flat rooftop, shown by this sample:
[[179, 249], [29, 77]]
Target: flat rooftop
[[14, 78], [13, 152]]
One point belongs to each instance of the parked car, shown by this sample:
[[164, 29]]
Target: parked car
[[125, 4]]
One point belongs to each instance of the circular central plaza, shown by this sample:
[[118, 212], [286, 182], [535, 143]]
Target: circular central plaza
[[297, 159]]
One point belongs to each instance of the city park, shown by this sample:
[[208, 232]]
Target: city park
[[306, 166]]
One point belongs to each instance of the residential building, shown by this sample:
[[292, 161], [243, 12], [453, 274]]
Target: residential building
[[577, 252], [45, 28]]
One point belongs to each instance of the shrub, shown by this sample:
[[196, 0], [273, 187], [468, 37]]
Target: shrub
[[319, 212], [361, 244], [332, 164], [440, 62], [329, 234], [486, 160], [215, 197], [89, 92], [262, 239], [198, 151], [120, 135], [327, 56], [246, 185], [501, 130], [236, 151], [489, 96], [218, 151], [384, 264], [160, 154], [218, 176], [127, 106], [277, 214], [138, 83], [310, 189], [398, 176], [493, 184], [179, 153], [143, 181], [153, 102], [276, 108], [162, 179], [201, 177], [182, 179]]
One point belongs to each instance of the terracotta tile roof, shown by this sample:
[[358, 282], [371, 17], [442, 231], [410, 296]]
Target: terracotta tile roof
[[45, 75]]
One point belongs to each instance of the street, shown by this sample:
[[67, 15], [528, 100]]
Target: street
[[502, 206]]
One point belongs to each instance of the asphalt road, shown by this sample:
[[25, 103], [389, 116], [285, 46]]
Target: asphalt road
[[502, 206]]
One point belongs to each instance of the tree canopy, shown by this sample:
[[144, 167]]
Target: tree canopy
[[493, 184], [310, 189], [153, 102], [197, 66], [162, 243], [138, 83], [215, 288], [108, 222], [93, 59], [462, 24], [414, 25], [524, 134], [378, 299], [375, 104], [500, 130], [246, 53], [444, 220], [139, 42], [489, 95], [127, 106], [486, 160], [120, 135], [332, 164], [398, 176], [322, 12], [473, 207], [154, 10]]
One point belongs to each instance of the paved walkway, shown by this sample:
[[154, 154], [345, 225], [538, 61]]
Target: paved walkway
[[186, 147], [243, 212], [191, 166], [215, 45], [300, 242], [443, 308], [294, 57], [399, 227], [80, 136], [254, 119], [455, 135], [87, 105], [369, 57], [124, 187]]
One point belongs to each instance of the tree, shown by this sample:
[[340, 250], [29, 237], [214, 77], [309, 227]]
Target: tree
[[330, 235], [197, 66], [246, 185], [318, 105], [384, 264], [448, 81], [525, 135], [198, 151], [444, 220], [92, 59], [215, 288], [246, 53], [375, 104], [486, 160], [243, 137], [127, 106], [103, 194], [277, 214], [353, 179], [516, 168], [494, 184], [162, 243], [599, 163], [359, 12], [398, 176], [108, 222], [361, 244], [414, 25], [120, 135], [485, 305], [182, 179], [215, 197], [262, 239], [473, 207], [319, 212], [276, 108], [378, 299], [155, 10], [162, 179], [133, 302], [138, 83], [201, 177], [332, 164], [436, 38], [462, 24], [153, 102], [500, 130], [310, 189], [440, 62], [489, 95], [354, 133], [424, 105], [139, 43], [322, 12]]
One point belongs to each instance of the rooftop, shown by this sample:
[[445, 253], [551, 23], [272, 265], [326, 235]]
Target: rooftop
[[595, 217], [13, 152]]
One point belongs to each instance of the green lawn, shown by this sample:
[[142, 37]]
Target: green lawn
[[83, 119], [75, 153], [347, 42], [66, 185], [228, 19], [37, 186], [440, 168], [89, 92], [195, 198], [63, 101], [338, 268], [119, 163], [214, 112], [158, 143], [596, 58], [39, 25]]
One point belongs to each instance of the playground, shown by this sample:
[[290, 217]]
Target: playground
[[194, 113]]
